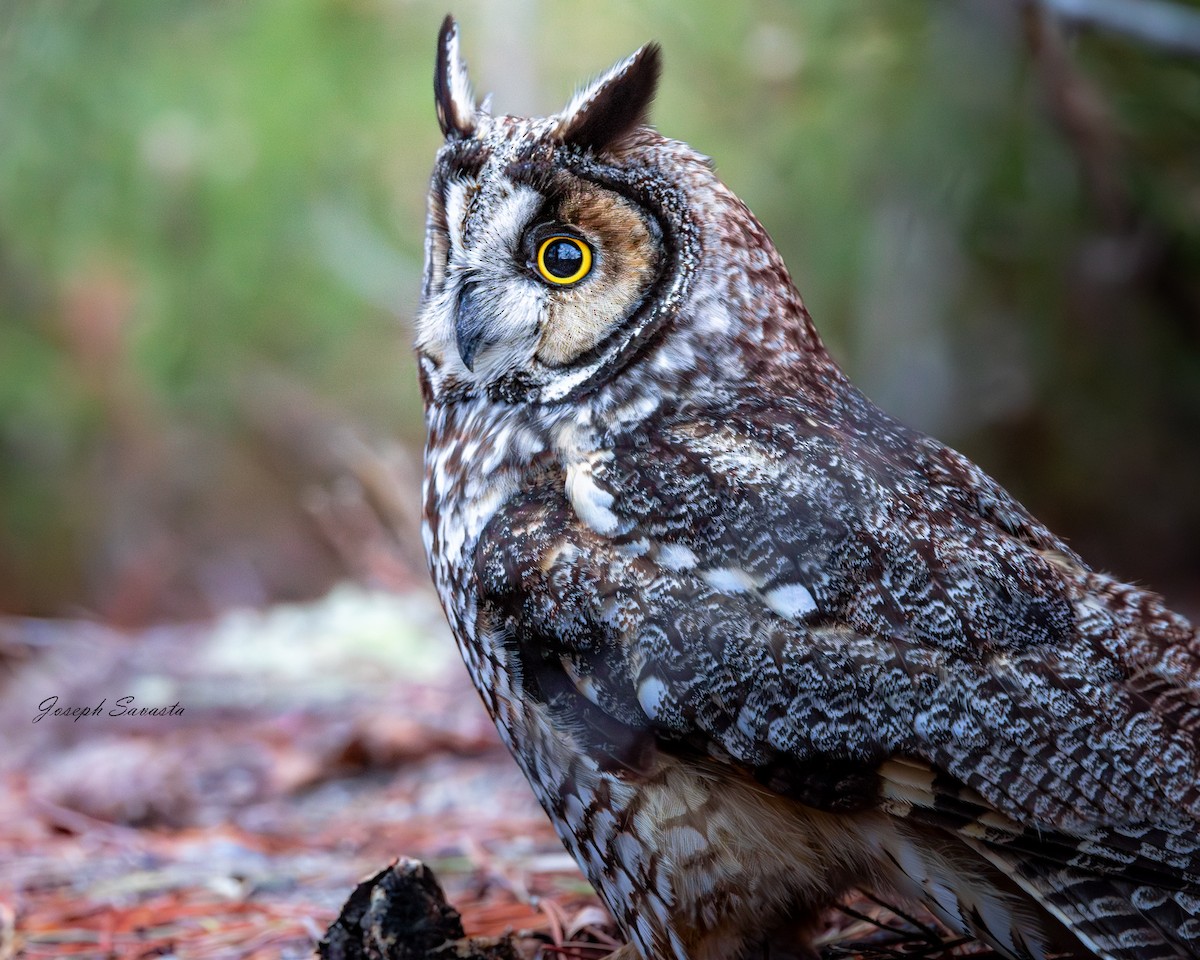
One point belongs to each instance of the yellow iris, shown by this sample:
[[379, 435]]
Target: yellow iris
[[562, 260]]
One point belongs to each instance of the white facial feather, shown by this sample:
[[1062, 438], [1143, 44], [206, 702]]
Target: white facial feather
[[484, 237]]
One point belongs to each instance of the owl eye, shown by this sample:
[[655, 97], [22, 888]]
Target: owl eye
[[563, 260]]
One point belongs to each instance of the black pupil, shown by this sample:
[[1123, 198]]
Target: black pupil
[[562, 258]]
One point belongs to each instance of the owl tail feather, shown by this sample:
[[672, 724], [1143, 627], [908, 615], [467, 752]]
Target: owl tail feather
[[1110, 918]]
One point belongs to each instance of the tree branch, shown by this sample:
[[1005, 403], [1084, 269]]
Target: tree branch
[[1159, 23]]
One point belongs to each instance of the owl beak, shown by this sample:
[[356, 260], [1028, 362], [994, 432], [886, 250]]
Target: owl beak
[[470, 322]]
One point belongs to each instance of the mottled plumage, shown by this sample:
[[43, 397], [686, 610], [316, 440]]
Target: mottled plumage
[[753, 641]]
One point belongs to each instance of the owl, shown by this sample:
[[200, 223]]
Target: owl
[[753, 642]]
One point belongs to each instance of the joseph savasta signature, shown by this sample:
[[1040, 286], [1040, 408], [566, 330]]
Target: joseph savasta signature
[[123, 707]]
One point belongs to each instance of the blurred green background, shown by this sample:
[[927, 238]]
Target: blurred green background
[[210, 242]]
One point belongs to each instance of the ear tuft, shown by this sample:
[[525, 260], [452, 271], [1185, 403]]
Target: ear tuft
[[603, 114], [456, 109]]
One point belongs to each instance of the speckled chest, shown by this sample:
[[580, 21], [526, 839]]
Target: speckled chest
[[477, 460], [475, 455], [479, 455]]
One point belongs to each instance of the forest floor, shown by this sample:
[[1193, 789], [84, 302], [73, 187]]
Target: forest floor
[[296, 751]]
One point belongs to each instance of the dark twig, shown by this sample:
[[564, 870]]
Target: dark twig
[[925, 928], [1168, 26], [920, 941], [1081, 113], [1143, 250]]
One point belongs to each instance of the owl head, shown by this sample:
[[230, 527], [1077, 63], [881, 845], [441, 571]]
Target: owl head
[[561, 251]]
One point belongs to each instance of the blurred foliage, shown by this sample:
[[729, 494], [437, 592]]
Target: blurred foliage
[[211, 225]]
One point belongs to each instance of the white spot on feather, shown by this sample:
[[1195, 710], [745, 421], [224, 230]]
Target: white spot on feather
[[675, 556], [623, 886], [638, 409], [573, 810], [685, 842], [591, 503], [650, 693], [748, 723], [729, 580], [635, 548], [791, 600], [604, 823], [584, 684]]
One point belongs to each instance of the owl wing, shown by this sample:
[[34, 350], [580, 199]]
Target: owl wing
[[855, 623]]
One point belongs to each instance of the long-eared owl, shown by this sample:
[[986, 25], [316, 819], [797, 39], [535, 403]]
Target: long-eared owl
[[752, 641]]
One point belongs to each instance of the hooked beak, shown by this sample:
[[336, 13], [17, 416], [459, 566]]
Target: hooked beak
[[470, 323]]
